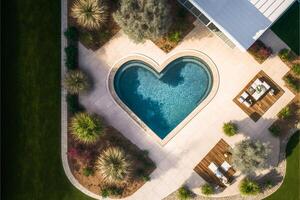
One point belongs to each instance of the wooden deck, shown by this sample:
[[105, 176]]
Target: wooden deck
[[216, 155], [261, 106]]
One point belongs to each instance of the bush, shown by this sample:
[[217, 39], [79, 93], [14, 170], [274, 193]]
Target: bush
[[175, 37], [71, 34], [71, 56], [114, 165], [260, 51], [292, 82], [90, 14], [285, 113], [207, 189], [184, 193], [141, 174], [86, 128], [230, 128], [111, 191], [73, 103], [285, 55], [76, 82], [142, 20], [296, 69], [275, 130], [249, 187], [268, 184], [88, 171]]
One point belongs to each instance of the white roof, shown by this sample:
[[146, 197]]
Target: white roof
[[242, 21]]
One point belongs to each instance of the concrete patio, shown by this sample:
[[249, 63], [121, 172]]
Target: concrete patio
[[176, 160]]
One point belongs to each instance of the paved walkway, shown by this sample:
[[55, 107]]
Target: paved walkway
[[176, 160]]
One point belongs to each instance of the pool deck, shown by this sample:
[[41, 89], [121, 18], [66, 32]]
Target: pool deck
[[177, 159]]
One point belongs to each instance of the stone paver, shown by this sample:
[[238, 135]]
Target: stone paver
[[176, 160]]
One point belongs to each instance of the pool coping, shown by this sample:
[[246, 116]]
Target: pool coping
[[159, 68]]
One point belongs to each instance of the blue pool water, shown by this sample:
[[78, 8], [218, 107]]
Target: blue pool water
[[163, 100]]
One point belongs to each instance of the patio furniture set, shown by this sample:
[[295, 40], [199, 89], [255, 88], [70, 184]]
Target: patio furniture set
[[225, 166], [255, 92]]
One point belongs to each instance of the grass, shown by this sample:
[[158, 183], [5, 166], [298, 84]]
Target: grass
[[291, 181], [31, 164], [287, 27]]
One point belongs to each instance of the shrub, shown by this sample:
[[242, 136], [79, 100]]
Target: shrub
[[285, 55], [142, 20], [269, 184], [292, 82], [71, 34], [285, 113], [88, 171], [207, 189], [175, 37], [275, 130], [249, 187], [250, 155], [114, 165], [76, 82], [296, 69], [73, 103], [71, 56], [111, 191], [184, 193], [90, 14], [86, 128], [141, 174], [230, 128], [260, 51]]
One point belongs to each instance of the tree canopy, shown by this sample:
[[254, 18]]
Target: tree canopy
[[143, 19], [250, 155]]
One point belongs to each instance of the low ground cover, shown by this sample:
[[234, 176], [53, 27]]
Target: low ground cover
[[260, 51]]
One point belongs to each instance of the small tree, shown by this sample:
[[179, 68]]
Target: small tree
[[143, 19], [114, 165], [207, 189], [76, 82], [250, 155], [90, 14], [184, 193], [249, 187], [230, 128], [285, 113], [86, 128]]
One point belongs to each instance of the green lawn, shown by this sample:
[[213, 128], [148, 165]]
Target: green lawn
[[30, 147], [290, 187], [287, 27]]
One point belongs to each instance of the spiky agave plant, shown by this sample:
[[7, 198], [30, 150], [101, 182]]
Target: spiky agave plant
[[86, 128], [114, 165], [76, 82], [90, 14]]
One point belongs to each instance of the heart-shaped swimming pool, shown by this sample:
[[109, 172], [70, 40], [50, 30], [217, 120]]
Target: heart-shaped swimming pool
[[162, 100]]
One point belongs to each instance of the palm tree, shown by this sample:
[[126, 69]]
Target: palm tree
[[90, 14], [76, 82], [86, 128], [114, 165]]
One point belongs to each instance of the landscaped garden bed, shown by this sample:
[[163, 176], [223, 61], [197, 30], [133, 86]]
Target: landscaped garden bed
[[260, 51], [292, 78], [94, 39], [182, 24], [82, 161]]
